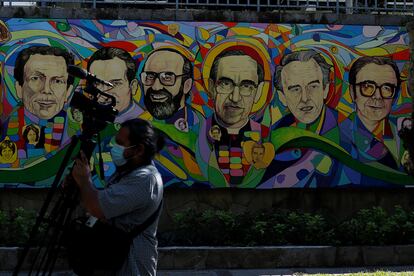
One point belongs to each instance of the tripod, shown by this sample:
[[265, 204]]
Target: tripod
[[60, 215], [96, 118]]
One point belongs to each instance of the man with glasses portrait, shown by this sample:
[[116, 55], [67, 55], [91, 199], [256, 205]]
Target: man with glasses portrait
[[374, 85], [235, 85], [167, 79]]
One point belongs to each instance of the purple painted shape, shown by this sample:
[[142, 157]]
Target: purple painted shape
[[57, 136], [280, 178], [21, 154], [377, 151], [175, 150]]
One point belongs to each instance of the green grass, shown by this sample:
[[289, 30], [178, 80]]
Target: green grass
[[376, 273]]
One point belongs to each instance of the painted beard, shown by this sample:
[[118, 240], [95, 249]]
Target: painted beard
[[166, 107]]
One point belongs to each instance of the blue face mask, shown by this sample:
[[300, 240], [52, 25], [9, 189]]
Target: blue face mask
[[117, 154]]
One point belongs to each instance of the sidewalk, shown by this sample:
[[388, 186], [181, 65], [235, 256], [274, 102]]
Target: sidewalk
[[262, 272]]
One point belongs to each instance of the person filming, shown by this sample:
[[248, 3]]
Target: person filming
[[133, 194]]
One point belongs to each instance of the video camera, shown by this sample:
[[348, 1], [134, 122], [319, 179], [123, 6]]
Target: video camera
[[97, 107]]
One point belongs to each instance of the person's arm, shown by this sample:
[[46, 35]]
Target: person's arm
[[89, 195]]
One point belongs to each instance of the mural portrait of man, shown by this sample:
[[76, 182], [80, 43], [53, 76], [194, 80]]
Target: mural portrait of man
[[302, 81], [44, 87], [116, 66], [240, 104], [167, 79], [42, 81], [374, 85], [235, 82], [375, 82]]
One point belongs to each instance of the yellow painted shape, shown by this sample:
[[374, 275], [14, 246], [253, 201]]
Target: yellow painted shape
[[146, 116], [344, 109], [324, 165], [235, 166], [106, 157], [223, 153], [40, 33], [255, 136], [187, 40], [276, 115], [219, 38], [204, 33], [190, 163], [177, 171], [245, 31]]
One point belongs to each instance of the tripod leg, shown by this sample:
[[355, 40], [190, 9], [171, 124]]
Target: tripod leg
[[43, 210], [57, 209], [64, 228], [50, 251]]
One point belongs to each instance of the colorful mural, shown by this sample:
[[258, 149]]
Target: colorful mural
[[246, 105]]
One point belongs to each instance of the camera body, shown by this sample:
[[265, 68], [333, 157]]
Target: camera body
[[96, 113]]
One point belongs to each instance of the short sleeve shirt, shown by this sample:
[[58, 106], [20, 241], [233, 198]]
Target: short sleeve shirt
[[129, 199]]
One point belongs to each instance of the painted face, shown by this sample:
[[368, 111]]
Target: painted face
[[31, 137], [44, 91], [303, 90], [257, 154], [7, 153], [77, 115], [215, 133], [375, 108], [163, 84], [235, 90], [182, 125], [115, 71]]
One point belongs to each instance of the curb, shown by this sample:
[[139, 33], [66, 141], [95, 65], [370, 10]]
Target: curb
[[266, 257]]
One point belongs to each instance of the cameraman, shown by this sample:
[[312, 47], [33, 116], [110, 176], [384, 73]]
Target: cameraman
[[132, 194]]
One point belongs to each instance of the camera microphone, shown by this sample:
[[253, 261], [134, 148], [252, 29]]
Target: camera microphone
[[83, 74]]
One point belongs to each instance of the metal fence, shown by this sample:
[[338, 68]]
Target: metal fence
[[401, 7]]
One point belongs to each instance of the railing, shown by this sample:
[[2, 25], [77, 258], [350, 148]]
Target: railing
[[402, 7]]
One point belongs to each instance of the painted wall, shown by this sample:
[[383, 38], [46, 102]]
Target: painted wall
[[243, 104]]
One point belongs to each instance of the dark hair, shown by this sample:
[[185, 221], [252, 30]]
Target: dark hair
[[258, 146], [29, 128], [7, 144], [25, 54], [187, 66], [303, 56], [214, 67], [141, 132], [108, 53], [379, 60]]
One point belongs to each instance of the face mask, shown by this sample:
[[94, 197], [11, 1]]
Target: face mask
[[117, 154]]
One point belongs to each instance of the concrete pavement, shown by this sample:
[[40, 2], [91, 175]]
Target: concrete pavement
[[263, 272]]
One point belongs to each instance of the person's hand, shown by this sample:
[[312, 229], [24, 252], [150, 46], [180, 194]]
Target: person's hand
[[68, 181], [81, 172]]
